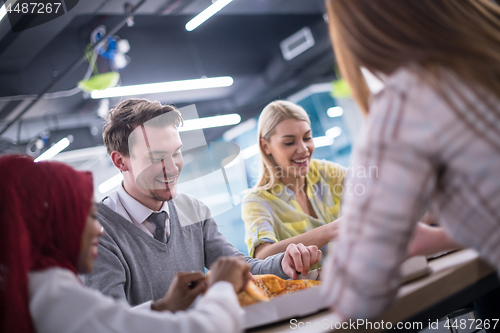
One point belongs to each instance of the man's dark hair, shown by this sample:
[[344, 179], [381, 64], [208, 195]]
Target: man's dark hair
[[129, 114]]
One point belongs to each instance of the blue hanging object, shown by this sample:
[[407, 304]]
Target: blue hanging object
[[110, 51]]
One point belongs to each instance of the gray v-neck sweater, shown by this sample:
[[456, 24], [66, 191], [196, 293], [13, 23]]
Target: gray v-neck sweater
[[133, 265]]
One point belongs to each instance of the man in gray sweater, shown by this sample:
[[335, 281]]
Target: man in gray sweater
[[152, 232]]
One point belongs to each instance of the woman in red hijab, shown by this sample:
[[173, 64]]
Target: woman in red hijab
[[49, 233]]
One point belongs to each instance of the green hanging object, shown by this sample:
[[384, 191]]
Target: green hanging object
[[100, 82], [340, 89]]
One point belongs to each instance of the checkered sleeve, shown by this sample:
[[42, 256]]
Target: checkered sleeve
[[386, 191]]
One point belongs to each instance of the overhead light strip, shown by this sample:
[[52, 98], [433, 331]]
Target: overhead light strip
[[236, 131], [210, 122], [334, 132], [206, 14], [54, 150], [250, 151], [3, 12], [111, 183], [154, 88], [322, 141], [335, 111], [3, 9]]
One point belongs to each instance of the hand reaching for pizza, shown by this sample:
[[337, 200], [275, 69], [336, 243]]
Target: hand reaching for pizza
[[185, 287], [231, 269], [299, 258]]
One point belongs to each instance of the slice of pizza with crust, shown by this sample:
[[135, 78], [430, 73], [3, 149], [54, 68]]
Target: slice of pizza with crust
[[267, 286]]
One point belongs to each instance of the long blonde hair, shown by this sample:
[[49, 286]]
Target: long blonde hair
[[382, 36], [273, 114]]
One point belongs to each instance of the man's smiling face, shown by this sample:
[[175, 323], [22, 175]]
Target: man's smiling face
[[156, 162]]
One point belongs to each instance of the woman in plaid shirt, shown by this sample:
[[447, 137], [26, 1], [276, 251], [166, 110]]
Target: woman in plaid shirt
[[433, 132]]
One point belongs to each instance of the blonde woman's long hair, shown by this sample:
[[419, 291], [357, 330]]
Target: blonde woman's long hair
[[273, 114], [430, 35]]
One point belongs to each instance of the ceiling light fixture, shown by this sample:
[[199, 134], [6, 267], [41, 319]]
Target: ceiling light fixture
[[322, 141], [3, 12], [334, 132], [250, 151], [154, 88], [206, 14], [3, 9], [55, 149], [209, 122], [111, 183], [236, 131], [335, 111]]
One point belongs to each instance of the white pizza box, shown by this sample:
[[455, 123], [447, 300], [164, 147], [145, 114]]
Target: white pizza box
[[309, 301], [298, 304]]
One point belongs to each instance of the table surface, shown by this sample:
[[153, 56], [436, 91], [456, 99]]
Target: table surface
[[449, 275]]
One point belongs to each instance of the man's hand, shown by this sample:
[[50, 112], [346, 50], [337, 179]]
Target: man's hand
[[182, 292], [299, 258], [231, 269]]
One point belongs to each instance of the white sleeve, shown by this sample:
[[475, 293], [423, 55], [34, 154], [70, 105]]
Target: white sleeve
[[60, 303], [146, 306]]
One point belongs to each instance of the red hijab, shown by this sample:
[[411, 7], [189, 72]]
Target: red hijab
[[43, 211]]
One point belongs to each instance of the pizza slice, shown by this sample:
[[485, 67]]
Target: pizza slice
[[267, 286]]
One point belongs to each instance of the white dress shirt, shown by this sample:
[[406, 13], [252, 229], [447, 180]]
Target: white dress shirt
[[132, 210], [60, 303]]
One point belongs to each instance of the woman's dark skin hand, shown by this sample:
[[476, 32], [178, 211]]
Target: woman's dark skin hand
[[230, 269], [185, 287]]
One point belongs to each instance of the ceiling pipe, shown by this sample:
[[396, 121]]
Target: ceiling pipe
[[172, 7], [131, 9]]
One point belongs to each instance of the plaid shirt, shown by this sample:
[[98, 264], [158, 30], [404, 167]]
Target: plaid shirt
[[273, 215], [429, 156]]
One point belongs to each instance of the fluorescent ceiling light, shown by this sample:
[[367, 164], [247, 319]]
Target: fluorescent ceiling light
[[322, 141], [240, 129], [335, 111], [111, 183], [206, 14], [3, 9], [250, 151], [3, 12], [154, 88], [209, 122], [54, 150], [334, 132]]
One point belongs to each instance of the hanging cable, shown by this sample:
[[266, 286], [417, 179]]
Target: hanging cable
[[130, 11]]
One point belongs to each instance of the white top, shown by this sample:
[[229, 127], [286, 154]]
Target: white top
[[60, 303], [132, 210]]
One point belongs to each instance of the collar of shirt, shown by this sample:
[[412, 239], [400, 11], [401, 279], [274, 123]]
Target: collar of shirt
[[137, 211]]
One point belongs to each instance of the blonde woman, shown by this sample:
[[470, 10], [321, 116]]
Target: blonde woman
[[297, 198], [433, 132]]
